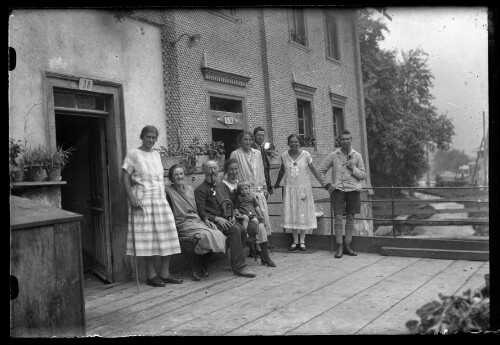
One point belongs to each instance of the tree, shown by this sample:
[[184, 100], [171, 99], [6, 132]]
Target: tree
[[450, 160], [401, 122]]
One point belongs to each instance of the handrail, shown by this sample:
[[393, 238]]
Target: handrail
[[392, 221]]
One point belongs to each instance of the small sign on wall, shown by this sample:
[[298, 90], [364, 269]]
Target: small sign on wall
[[85, 84], [228, 120]]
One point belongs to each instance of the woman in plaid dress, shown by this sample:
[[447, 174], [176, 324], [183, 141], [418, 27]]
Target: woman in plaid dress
[[154, 224]]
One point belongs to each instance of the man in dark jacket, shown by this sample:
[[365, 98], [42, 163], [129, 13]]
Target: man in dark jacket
[[259, 135], [209, 197]]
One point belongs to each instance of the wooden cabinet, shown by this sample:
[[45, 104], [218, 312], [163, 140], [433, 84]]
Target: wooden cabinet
[[46, 259]]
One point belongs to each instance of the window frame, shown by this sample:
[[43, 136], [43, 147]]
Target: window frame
[[327, 16], [291, 20], [334, 117], [311, 119]]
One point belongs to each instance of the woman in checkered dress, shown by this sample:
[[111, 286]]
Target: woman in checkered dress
[[154, 224]]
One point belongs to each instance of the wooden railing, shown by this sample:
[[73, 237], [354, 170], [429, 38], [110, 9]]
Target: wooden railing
[[396, 207]]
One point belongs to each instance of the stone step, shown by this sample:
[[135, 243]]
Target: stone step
[[448, 254]]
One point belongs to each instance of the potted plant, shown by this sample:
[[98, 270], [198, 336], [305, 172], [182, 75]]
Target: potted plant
[[35, 161], [170, 156], [16, 171], [215, 150], [467, 313], [309, 141], [58, 159]]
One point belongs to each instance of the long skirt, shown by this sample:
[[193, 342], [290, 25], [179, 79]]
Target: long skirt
[[154, 228]]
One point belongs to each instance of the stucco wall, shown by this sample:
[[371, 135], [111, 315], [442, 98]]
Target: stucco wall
[[90, 44]]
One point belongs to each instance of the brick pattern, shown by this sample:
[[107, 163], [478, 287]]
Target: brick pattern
[[257, 46]]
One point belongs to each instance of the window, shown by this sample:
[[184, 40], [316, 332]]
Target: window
[[78, 101], [304, 114], [226, 104], [338, 121], [332, 39], [297, 26]]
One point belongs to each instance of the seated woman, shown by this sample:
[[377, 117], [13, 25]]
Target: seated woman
[[180, 196], [231, 169]]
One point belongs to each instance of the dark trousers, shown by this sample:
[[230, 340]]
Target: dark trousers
[[234, 242]]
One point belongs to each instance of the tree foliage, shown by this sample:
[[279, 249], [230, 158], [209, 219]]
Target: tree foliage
[[450, 160], [402, 124]]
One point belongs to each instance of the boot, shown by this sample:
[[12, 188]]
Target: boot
[[251, 252], [338, 253], [348, 250], [205, 262], [264, 258]]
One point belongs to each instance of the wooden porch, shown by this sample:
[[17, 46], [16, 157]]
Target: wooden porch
[[308, 293]]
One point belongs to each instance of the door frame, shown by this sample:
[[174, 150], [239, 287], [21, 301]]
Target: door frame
[[116, 146]]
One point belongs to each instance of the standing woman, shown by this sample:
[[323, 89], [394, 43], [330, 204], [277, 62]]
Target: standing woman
[[154, 225], [298, 203], [251, 169]]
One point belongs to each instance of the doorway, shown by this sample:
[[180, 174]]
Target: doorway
[[86, 191], [229, 137]]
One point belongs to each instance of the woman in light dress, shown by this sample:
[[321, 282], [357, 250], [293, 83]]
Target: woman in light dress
[[298, 203], [251, 169], [154, 224]]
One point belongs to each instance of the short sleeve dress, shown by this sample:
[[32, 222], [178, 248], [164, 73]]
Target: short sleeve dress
[[298, 202], [154, 224]]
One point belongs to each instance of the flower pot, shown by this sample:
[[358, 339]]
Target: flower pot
[[35, 173], [18, 175], [55, 174]]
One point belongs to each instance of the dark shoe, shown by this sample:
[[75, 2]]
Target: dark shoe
[[302, 247], [204, 271], [245, 272], [269, 262], [172, 280], [196, 276], [155, 281], [293, 247], [349, 251], [339, 253]]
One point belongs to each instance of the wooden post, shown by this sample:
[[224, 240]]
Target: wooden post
[[392, 212]]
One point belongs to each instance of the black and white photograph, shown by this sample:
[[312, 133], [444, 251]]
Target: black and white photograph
[[276, 170]]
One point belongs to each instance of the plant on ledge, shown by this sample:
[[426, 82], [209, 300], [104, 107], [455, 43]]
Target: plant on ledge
[[467, 313], [35, 161], [214, 149], [308, 141], [15, 160], [59, 158]]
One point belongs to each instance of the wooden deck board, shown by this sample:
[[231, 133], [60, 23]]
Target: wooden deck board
[[138, 309], [306, 294], [392, 321]]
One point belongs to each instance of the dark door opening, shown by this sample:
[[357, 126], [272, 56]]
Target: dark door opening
[[229, 137], [86, 190]]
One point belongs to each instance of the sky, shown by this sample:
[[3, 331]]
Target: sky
[[456, 39]]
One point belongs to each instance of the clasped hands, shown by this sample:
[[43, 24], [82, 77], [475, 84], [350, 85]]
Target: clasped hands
[[224, 223]]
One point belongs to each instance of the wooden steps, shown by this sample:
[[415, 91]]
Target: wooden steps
[[433, 253]]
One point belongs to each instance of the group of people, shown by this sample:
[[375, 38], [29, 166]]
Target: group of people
[[233, 212]]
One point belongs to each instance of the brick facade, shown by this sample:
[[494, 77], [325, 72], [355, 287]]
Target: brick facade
[[254, 43]]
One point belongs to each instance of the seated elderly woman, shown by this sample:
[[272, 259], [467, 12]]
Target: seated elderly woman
[[180, 196]]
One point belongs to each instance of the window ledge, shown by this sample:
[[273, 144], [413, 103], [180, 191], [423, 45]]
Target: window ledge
[[334, 60], [37, 184], [300, 46]]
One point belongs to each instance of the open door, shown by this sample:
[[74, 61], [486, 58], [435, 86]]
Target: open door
[[99, 199]]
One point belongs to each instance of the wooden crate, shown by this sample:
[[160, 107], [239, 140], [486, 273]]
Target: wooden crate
[[46, 259]]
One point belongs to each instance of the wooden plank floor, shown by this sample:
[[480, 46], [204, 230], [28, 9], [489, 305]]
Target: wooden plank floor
[[308, 293]]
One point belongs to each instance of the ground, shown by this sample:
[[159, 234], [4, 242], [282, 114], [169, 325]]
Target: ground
[[307, 293]]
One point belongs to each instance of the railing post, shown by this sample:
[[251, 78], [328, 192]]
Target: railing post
[[392, 215]]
